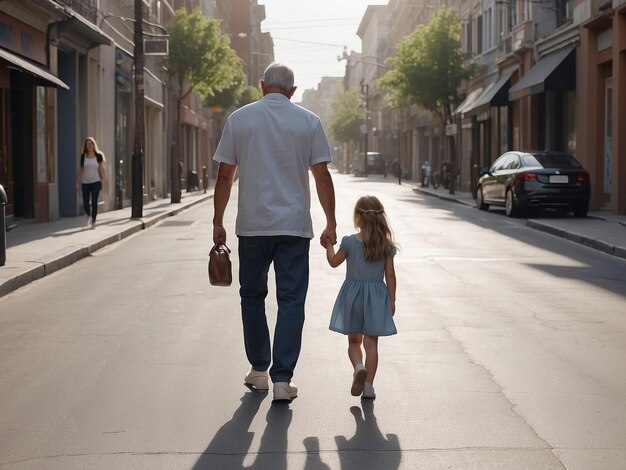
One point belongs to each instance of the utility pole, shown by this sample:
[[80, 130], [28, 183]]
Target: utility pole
[[137, 164], [365, 94]]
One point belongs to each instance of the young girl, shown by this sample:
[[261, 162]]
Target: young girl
[[365, 306]]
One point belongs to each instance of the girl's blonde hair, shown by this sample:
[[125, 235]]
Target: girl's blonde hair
[[370, 218], [95, 147]]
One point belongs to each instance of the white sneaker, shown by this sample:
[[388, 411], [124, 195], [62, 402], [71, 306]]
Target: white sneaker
[[358, 378], [368, 391], [284, 391], [257, 379], [93, 224], [88, 224]]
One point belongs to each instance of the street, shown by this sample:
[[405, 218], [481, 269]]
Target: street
[[510, 354]]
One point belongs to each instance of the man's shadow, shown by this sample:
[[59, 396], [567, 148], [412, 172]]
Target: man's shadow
[[368, 448], [231, 444]]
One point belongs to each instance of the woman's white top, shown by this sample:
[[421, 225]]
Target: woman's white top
[[90, 170]]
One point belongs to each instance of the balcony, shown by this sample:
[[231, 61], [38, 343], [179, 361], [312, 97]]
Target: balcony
[[522, 37], [88, 9]]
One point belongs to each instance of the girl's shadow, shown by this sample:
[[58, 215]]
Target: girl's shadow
[[368, 448]]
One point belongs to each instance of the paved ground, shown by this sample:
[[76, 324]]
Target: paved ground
[[37, 250]]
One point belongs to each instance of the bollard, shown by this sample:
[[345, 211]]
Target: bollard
[[205, 179], [3, 228]]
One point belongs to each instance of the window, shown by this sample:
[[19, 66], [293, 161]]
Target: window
[[563, 12], [479, 34], [512, 14]]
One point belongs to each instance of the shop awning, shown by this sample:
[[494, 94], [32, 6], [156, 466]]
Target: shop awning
[[469, 99], [44, 78], [84, 31], [495, 94], [554, 72]]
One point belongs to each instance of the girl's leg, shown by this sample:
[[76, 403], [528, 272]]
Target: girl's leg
[[371, 357], [354, 348], [95, 192], [85, 188]]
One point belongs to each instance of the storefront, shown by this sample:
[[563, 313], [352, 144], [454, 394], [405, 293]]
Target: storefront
[[27, 156]]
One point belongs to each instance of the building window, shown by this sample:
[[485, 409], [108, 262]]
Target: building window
[[512, 14], [563, 12], [479, 34]]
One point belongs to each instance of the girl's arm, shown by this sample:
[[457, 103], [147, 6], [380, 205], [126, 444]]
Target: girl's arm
[[334, 259], [390, 278]]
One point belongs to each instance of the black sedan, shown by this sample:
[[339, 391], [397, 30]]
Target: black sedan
[[521, 180]]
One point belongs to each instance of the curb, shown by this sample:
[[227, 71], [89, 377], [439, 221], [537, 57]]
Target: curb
[[52, 263], [595, 243]]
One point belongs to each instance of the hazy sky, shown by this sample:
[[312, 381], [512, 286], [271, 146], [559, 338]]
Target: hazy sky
[[331, 24]]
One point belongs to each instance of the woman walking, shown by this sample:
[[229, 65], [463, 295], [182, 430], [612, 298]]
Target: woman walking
[[91, 177]]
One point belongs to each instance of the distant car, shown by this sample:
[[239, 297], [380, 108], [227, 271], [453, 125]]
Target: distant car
[[521, 180], [376, 163]]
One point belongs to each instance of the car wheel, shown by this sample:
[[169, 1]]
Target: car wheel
[[480, 202], [581, 211], [510, 206]]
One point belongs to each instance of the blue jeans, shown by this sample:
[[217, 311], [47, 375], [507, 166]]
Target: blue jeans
[[90, 195], [290, 256]]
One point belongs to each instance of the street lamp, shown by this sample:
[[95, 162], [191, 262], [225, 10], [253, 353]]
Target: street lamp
[[365, 96]]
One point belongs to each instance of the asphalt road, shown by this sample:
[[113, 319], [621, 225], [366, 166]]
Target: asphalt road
[[511, 354]]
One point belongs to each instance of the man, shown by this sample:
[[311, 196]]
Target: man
[[273, 143]]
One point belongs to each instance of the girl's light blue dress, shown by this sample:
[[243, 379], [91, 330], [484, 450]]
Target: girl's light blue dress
[[363, 304]]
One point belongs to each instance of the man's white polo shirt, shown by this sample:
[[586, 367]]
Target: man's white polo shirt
[[274, 143]]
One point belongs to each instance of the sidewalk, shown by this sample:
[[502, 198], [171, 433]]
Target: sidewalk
[[599, 230], [37, 250]]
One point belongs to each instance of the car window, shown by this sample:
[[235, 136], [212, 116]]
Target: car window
[[557, 160], [500, 163], [530, 160], [513, 163]]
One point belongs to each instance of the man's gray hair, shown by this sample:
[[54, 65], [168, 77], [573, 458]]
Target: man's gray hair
[[278, 75]]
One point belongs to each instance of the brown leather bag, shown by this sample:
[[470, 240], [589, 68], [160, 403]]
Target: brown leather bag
[[220, 267]]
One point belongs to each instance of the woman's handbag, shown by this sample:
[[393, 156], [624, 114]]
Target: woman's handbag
[[220, 268]]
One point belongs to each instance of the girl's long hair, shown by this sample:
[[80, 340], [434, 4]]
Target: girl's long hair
[[370, 218], [95, 148]]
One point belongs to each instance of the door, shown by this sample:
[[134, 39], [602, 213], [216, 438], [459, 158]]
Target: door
[[6, 164], [608, 140]]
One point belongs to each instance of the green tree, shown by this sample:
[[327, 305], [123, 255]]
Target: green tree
[[346, 117], [249, 94], [200, 59], [428, 69], [230, 95]]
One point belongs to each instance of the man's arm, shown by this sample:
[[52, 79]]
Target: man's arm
[[221, 195], [326, 195]]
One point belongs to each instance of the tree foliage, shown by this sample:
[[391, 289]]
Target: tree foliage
[[346, 117], [429, 66], [230, 95], [249, 94], [200, 57]]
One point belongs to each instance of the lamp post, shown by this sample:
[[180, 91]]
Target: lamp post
[[365, 96], [137, 163]]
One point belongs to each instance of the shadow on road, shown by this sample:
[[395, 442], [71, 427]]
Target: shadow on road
[[597, 269], [368, 448], [231, 444]]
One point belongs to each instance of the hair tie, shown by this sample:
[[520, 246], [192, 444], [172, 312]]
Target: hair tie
[[369, 211]]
